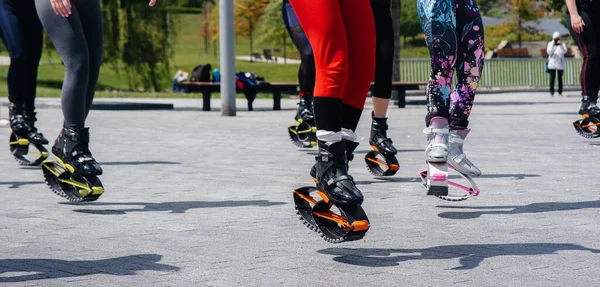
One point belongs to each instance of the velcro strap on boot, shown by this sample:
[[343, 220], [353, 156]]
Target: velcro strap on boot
[[432, 130]]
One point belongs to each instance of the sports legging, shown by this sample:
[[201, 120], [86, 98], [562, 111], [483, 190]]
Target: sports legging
[[587, 42], [342, 36], [79, 41], [306, 73], [22, 34], [454, 34], [384, 50]]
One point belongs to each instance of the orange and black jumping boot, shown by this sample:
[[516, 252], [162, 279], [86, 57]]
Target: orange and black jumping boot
[[341, 34], [588, 125], [381, 161]]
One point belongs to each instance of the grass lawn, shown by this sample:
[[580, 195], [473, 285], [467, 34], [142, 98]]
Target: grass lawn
[[189, 52]]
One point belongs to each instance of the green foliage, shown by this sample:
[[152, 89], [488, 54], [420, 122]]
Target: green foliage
[[495, 34], [189, 3], [523, 11], [487, 5], [556, 5], [410, 25], [271, 29], [247, 13], [139, 42]]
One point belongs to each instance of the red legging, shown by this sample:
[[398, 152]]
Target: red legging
[[342, 36]]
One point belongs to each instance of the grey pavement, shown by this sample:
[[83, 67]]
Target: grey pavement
[[196, 199]]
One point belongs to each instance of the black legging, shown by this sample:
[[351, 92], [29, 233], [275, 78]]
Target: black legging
[[385, 48], [587, 42], [306, 73], [79, 41], [384, 57], [22, 33]]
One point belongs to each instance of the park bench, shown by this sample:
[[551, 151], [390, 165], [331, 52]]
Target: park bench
[[569, 53], [256, 56], [513, 53], [268, 56], [278, 88]]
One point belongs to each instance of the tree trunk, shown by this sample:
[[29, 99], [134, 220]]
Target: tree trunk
[[519, 32], [215, 47], [396, 9], [206, 28], [250, 33], [251, 52]]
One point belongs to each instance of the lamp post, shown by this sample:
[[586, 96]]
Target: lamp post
[[227, 48]]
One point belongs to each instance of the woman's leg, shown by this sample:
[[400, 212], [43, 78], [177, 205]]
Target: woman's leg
[[12, 35], [360, 32], [469, 67], [22, 34], [33, 38], [324, 26], [70, 41], [469, 62], [93, 29], [306, 72], [73, 39], [587, 43], [382, 90], [438, 22]]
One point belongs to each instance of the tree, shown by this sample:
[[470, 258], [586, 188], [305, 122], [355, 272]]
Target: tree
[[556, 5], [206, 29], [523, 11], [190, 3], [272, 29], [486, 5], [247, 13], [214, 26], [410, 25], [139, 41]]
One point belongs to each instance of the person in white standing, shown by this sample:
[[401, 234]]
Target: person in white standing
[[556, 62]]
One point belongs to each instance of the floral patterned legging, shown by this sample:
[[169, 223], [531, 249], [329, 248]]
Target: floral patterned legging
[[454, 34]]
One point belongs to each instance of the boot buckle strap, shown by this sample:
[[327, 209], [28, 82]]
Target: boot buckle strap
[[432, 130], [334, 181], [459, 158], [457, 140]]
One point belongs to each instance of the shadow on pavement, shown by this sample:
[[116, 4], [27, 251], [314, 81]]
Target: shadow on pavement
[[173, 207], [388, 179], [515, 209], [242, 108], [139, 162], [469, 255], [507, 103], [516, 176], [18, 184], [54, 268]]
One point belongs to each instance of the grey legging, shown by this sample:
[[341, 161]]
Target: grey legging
[[79, 41]]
